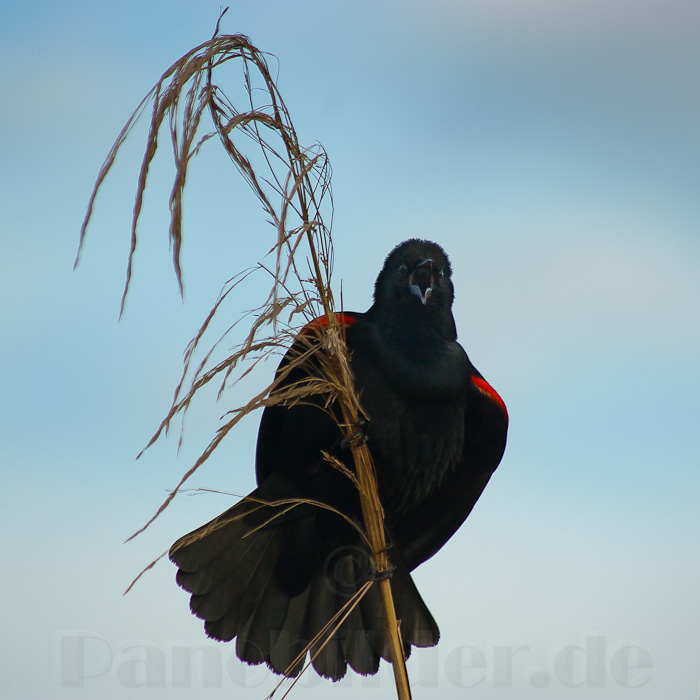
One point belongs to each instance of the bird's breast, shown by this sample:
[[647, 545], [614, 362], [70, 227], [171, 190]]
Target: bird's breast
[[415, 445], [413, 391]]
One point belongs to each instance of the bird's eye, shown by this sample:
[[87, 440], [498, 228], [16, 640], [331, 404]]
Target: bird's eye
[[441, 274], [403, 269]]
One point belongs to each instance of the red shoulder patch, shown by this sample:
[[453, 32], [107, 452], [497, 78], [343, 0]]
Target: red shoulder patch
[[344, 319], [485, 388]]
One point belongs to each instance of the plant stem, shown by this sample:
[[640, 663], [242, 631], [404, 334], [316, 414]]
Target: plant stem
[[373, 517]]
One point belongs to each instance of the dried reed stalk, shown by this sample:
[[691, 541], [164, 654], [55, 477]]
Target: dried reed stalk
[[293, 190]]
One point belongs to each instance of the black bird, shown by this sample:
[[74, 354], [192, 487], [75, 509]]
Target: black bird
[[274, 576]]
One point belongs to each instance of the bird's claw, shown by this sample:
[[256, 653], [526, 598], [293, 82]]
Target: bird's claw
[[375, 575], [359, 437]]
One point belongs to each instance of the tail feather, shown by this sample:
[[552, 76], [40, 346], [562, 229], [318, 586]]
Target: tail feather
[[231, 605], [326, 652], [374, 621], [211, 541], [225, 628], [292, 638], [418, 627], [299, 553], [240, 569], [260, 633], [358, 645], [201, 574], [242, 589]]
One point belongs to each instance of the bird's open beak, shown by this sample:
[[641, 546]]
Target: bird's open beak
[[422, 280]]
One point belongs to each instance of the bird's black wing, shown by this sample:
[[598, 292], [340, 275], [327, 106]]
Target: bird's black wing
[[419, 534], [290, 438]]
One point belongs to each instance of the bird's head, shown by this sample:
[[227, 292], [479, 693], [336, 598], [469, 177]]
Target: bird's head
[[416, 274]]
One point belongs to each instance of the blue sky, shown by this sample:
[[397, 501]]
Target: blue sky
[[552, 149]]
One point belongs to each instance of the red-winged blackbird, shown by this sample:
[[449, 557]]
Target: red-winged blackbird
[[274, 576]]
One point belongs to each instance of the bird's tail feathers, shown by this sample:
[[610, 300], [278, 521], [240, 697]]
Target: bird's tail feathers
[[237, 568]]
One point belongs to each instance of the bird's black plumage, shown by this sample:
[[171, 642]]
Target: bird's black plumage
[[273, 577]]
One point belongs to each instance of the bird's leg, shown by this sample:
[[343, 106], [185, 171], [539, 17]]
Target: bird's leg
[[373, 574], [359, 437]]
